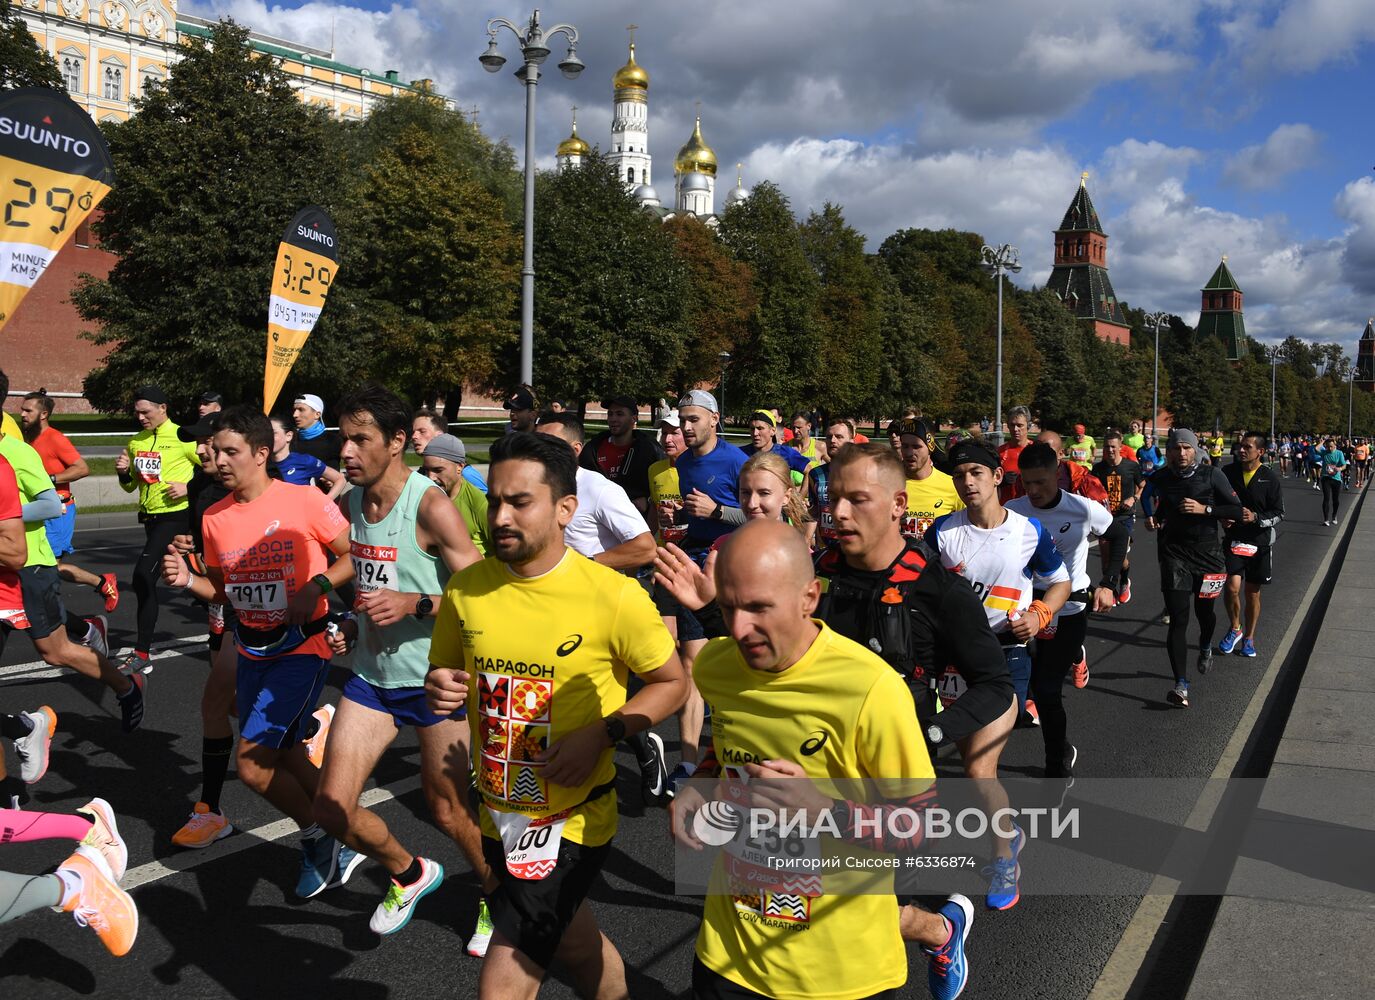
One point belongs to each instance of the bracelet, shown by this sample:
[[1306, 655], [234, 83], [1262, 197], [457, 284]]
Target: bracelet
[[323, 582], [1042, 612]]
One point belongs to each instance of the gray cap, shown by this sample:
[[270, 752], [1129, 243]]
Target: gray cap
[[1182, 435], [447, 447], [699, 397]]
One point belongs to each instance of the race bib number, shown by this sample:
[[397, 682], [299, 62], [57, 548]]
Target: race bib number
[[148, 466], [531, 845], [915, 526], [257, 594], [14, 617], [765, 860], [1212, 585], [374, 566], [1244, 550], [951, 686], [216, 619], [669, 530]]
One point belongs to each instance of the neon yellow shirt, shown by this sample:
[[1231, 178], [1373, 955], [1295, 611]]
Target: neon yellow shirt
[[547, 655], [666, 496], [796, 946], [1081, 451], [9, 427], [33, 480], [928, 499], [157, 457]]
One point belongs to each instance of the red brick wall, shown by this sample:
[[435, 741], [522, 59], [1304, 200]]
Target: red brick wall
[[40, 344], [1112, 333]]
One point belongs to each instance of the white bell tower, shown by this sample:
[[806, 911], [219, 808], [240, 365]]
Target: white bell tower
[[629, 152]]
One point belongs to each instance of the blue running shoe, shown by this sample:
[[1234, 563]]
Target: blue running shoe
[[1003, 874], [1248, 648], [349, 859], [948, 970], [1229, 641], [319, 862]]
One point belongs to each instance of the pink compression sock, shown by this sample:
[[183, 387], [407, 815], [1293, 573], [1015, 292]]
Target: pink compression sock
[[19, 825]]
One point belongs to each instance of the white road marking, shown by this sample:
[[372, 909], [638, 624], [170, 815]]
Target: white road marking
[[36, 669]]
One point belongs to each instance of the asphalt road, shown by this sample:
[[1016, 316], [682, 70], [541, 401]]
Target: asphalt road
[[225, 922]]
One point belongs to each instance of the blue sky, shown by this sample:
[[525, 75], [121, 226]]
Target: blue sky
[[1207, 126]]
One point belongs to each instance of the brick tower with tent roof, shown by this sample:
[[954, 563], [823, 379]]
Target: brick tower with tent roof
[[1221, 312], [1080, 274], [1365, 359]]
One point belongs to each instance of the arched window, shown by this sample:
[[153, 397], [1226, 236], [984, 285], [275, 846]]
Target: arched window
[[114, 84], [71, 74], [630, 174]]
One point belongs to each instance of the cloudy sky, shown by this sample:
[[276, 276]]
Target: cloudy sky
[[1208, 127]]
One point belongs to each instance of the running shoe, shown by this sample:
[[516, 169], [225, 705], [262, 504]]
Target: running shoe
[[136, 663], [315, 746], [1003, 875], [1164, 619], [1229, 641], [653, 770], [203, 828], [131, 703], [394, 912], [482, 934], [348, 863], [1031, 717], [32, 750], [108, 588], [948, 970], [1248, 648], [1124, 596], [319, 863], [679, 777], [1080, 670], [98, 635], [99, 903], [104, 836], [1064, 767], [1205, 660], [1179, 694]]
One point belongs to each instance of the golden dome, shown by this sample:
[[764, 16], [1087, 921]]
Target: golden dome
[[696, 157], [631, 74], [574, 144]]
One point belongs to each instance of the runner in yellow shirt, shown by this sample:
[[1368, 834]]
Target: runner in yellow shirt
[[537, 643], [930, 492]]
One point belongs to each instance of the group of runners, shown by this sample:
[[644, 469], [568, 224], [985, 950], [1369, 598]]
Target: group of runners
[[828, 608]]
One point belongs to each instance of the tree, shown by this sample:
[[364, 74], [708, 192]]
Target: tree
[[211, 169], [610, 294], [1060, 395], [921, 348], [22, 62], [719, 298], [773, 364], [440, 273]]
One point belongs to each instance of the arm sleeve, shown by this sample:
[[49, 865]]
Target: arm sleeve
[[1226, 504], [1273, 511], [732, 515], [978, 657], [43, 507], [1046, 562]]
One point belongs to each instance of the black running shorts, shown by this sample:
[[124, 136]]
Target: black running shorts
[[1256, 569], [533, 914], [708, 985]]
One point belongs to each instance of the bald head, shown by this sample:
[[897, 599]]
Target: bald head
[[1052, 439], [768, 593]]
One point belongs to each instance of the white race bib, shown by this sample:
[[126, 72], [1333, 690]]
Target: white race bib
[[148, 465], [531, 845], [1212, 585], [257, 593], [951, 686], [374, 566]]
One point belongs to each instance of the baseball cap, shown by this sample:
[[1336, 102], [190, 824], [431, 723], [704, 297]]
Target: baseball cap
[[670, 416], [151, 393], [210, 396], [699, 397], [522, 399], [627, 401], [447, 447], [313, 401], [1079, 429], [205, 427]]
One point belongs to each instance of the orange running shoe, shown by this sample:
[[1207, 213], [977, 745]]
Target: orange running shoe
[[315, 746], [32, 749], [202, 829], [1081, 669], [104, 836], [99, 903], [109, 589]]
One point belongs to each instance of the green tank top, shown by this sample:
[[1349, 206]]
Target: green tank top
[[386, 557]]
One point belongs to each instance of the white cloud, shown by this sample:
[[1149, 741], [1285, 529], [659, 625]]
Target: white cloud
[[1288, 149], [1298, 36]]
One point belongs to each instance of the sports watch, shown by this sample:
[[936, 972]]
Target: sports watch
[[615, 728], [423, 607]]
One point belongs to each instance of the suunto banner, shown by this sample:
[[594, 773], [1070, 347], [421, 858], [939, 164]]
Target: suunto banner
[[307, 260]]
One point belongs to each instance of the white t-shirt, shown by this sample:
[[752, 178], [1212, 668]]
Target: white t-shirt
[[605, 517], [1072, 522]]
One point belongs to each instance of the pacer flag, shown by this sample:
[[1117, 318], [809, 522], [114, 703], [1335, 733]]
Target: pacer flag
[[54, 169], [306, 262]]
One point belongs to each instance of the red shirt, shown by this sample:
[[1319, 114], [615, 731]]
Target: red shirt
[[1012, 477], [610, 457], [10, 510], [58, 455]]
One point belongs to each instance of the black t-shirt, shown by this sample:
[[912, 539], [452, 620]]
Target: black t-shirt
[[1121, 481], [1182, 534]]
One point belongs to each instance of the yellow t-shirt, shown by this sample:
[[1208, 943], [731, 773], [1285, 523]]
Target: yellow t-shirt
[[664, 493], [928, 499], [33, 480], [8, 427], [1081, 451], [858, 709], [547, 655], [1246, 477]]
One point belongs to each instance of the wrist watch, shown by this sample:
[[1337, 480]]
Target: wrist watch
[[716, 514], [615, 728], [1208, 509], [423, 607], [934, 734]]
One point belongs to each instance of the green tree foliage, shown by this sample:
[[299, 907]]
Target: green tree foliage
[[611, 292], [921, 351], [718, 301], [22, 62], [774, 363], [849, 313], [211, 169]]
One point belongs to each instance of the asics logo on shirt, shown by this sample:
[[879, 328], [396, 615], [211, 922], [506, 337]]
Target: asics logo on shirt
[[568, 645], [814, 744], [1064, 527], [273, 526], [938, 504]]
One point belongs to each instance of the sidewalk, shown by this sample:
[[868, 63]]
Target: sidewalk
[[1305, 928]]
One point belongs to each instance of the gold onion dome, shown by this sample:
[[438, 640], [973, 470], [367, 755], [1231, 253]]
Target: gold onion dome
[[696, 157], [632, 74], [574, 144]]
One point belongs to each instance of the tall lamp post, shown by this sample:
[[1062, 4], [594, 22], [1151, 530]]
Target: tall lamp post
[[998, 261], [534, 49], [1156, 321], [1350, 396], [1275, 353], [724, 358]]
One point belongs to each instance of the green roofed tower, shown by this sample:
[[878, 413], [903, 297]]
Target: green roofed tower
[[1080, 275], [1221, 313], [1365, 359]]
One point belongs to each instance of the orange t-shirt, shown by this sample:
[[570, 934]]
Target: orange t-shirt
[[269, 548], [58, 454]]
